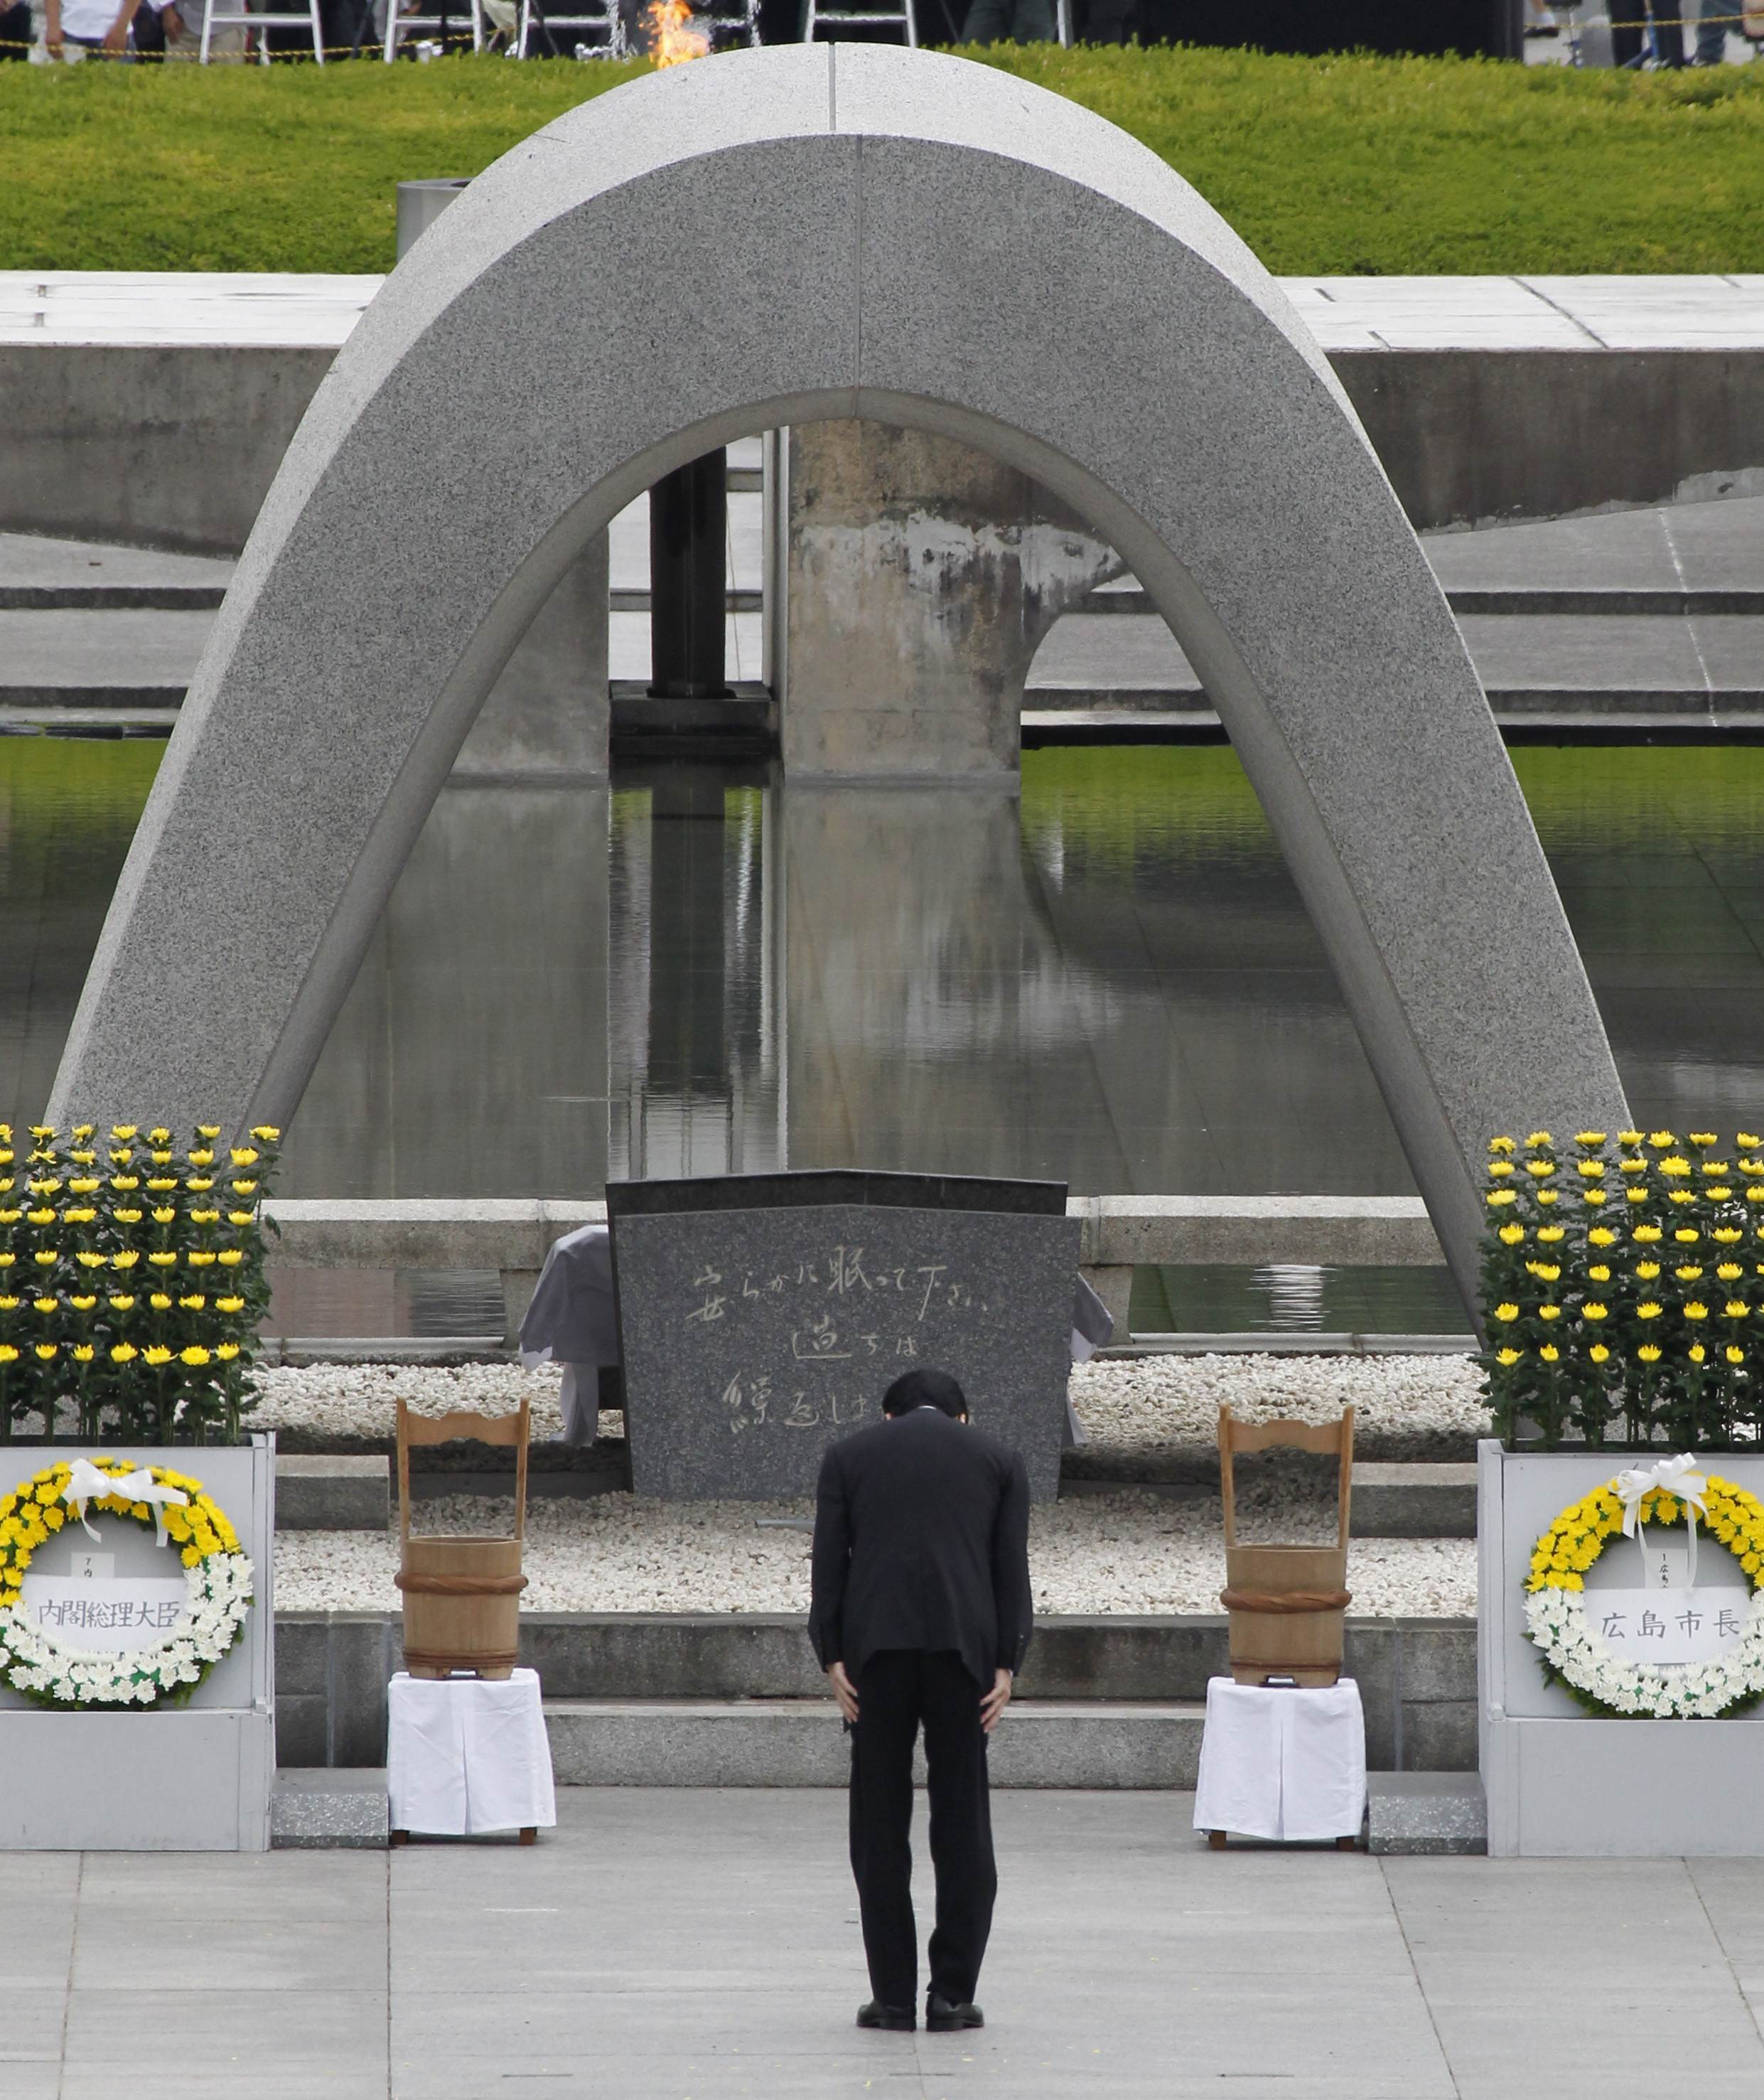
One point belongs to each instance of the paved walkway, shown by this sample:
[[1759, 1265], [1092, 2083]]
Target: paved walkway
[[678, 1946]]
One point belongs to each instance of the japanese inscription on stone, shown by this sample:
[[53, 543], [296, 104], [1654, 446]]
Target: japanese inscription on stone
[[754, 1339]]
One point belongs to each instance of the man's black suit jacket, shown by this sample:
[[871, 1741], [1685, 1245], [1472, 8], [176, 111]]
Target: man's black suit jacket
[[921, 1540]]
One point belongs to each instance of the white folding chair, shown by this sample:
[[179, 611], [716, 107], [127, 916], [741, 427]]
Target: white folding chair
[[215, 17], [600, 15], [399, 27], [742, 15], [816, 17]]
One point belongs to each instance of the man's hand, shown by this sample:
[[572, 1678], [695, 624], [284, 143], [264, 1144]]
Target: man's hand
[[117, 36], [844, 1691], [995, 1701], [172, 23]]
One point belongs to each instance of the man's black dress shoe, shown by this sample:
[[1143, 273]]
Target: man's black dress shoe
[[942, 2017], [893, 2019]]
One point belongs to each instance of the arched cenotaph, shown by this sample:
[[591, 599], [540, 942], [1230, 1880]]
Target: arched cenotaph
[[765, 239]]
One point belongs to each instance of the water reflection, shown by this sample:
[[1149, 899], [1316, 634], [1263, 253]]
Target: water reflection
[[696, 988], [470, 1058], [1109, 979]]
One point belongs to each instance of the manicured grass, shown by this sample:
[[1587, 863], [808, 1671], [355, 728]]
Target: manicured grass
[[1341, 164]]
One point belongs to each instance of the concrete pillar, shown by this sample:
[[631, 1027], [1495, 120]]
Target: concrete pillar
[[921, 577]]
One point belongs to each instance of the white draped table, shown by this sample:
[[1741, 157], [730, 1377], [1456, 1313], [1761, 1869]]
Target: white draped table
[[465, 1755], [1282, 1764]]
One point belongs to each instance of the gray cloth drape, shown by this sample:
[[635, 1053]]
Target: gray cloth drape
[[573, 1321]]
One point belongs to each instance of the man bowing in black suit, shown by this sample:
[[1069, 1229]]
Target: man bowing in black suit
[[921, 1616]]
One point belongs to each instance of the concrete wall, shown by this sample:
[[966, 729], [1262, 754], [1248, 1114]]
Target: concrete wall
[[176, 447], [1474, 437], [1417, 1677], [165, 447]]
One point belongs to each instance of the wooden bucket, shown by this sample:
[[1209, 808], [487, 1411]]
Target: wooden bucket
[[1286, 1605], [462, 1595], [462, 1599], [1286, 1602]]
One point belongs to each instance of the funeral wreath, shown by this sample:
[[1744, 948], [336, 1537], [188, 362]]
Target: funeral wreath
[[1579, 1640], [43, 1655]]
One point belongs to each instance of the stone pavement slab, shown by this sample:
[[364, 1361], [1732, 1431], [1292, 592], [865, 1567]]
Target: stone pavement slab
[[1665, 665], [101, 657], [42, 573], [1345, 313], [691, 1945]]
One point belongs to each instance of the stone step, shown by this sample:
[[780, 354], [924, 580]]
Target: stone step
[[1417, 1677], [802, 1742], [324, 1494], [1681, 559], [313, 1808], [1128, 597], [1412, 1500], [1098, 677], [88, 660], [1427, 1813], [350, 1491], [1409, 1498], [45, 575], [1704, 671]]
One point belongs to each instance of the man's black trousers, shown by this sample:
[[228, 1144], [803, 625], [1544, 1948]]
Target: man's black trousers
[[899, 1690]]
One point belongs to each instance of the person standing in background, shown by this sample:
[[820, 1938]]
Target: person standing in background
[[1628, 18], [182, 21], [1010, 22], [1712, 19], [921, 1616], [99, 26]]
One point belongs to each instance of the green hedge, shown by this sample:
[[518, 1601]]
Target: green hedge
[[1338, 166]]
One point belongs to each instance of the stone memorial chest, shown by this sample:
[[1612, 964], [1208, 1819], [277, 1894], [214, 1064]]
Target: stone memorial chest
[[762, 1316]]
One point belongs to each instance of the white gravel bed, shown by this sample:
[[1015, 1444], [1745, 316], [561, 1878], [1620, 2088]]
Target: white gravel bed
[[1147, 1402], [355, 1401], [1128, 1551], [1175, 1400], [1124, 1550]]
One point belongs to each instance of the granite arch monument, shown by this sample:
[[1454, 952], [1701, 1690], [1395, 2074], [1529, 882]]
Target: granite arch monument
[[772, 237]]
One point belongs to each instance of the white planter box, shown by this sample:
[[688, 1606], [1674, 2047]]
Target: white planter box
[[190, 1778], [1561, 1783]]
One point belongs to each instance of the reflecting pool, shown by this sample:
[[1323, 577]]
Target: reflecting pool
[[1108, 979]]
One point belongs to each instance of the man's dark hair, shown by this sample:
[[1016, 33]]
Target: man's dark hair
[[925, 1388]]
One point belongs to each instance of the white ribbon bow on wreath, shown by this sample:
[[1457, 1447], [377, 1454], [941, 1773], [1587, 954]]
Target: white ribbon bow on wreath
[[86, 1483], [1672, 1476]]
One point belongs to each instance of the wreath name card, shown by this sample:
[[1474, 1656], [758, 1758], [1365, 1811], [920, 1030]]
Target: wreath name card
[[1681, 1653], [69, 1643]]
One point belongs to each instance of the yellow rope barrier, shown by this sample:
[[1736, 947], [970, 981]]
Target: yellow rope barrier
[[304, 56]]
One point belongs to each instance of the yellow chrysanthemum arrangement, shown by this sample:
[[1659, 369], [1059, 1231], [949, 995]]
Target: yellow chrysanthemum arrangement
[[218, 1578], [132, 1279], [1623, 1289]]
